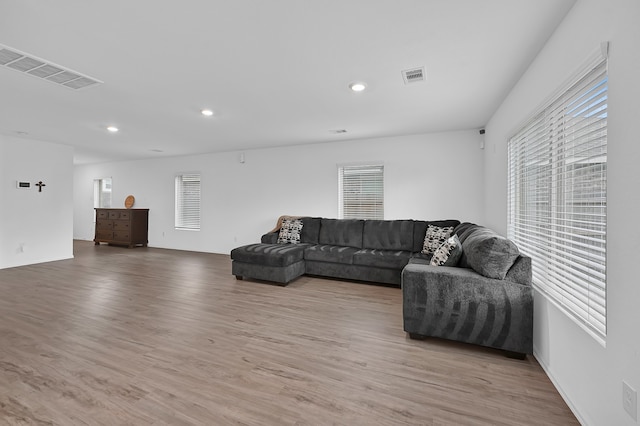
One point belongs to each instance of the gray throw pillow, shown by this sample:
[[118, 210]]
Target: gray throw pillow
[[448, 253], [490, 254]]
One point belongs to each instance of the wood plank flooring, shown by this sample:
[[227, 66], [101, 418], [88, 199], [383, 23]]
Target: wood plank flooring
[[148, 336]]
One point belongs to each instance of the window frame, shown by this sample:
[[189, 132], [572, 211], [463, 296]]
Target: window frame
[[556, 196], [188, 210], [370, 175]]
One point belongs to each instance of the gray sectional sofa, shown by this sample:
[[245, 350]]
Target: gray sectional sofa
[[364, 250], [485, 298]]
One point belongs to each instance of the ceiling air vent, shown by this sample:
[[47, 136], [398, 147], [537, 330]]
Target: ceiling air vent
[[36, 67], [413, 75]]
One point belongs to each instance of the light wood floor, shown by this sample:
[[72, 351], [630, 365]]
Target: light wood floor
[[148, 336]]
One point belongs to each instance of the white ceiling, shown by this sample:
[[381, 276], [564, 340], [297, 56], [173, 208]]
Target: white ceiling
[[275, 72]]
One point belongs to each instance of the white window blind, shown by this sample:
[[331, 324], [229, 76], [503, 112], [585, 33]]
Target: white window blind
[[557, 198], [188, 201], [361, 192]]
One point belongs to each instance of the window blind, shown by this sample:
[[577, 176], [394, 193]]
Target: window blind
[[557, 198], [188, 201], [361, 192]]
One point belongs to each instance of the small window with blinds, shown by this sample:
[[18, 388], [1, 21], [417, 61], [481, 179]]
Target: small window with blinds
[[557, 198], [361, 192], [188, 201]]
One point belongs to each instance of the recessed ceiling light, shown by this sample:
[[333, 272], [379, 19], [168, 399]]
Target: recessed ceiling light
[[112, 129], [357, 86], [207, 112]]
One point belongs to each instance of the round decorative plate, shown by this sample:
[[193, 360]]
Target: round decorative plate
[[128, 202]]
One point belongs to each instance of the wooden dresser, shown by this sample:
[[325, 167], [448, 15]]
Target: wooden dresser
[[127, 227]]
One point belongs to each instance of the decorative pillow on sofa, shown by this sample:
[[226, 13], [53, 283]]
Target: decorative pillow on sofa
[[290, 231], [435, 237], [448, 253], [489, 254]]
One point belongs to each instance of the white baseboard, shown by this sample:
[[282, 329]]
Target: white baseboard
[[561, 391]]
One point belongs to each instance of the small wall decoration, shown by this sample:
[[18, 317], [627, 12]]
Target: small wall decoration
[[129, 201], [40, 184]]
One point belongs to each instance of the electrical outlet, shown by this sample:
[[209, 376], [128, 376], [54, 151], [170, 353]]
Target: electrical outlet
[[630, 400]]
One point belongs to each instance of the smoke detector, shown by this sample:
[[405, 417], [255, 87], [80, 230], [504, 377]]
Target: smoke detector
[[414, 75], [28, 64]]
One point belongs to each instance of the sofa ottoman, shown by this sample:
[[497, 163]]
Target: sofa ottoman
[[279, 263]]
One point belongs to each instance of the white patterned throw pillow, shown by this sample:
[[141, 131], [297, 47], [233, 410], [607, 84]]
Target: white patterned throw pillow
[[435, 237], [290, 231], [448, 253]]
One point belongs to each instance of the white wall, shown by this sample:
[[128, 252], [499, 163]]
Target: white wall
[[35, 226], [434, 176], [588, 375]]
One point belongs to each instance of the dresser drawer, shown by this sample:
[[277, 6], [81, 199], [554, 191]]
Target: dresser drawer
[[102, 214], [104, 225], [121, 225], [124, 215], [114, 215], [104, 235], [123, 236]]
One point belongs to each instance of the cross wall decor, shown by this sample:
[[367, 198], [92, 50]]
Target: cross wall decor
[[40, 184]]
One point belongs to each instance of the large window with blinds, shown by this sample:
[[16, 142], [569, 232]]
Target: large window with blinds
[[188, 201], [557, 197], [361, 192]]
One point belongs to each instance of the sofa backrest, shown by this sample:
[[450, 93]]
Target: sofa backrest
[[388, 235], [420, 230], [341, 232], [463, 231], [310, 230]]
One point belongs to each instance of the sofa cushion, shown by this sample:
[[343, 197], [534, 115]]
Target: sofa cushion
[[395, 259], [388, 235], [341, 232], [435, 237], [330, 253], [290, 231], [448, 253], [463, 231], [310, 230], [420, 229], [420, 258], [489, 254], [269, 254]]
